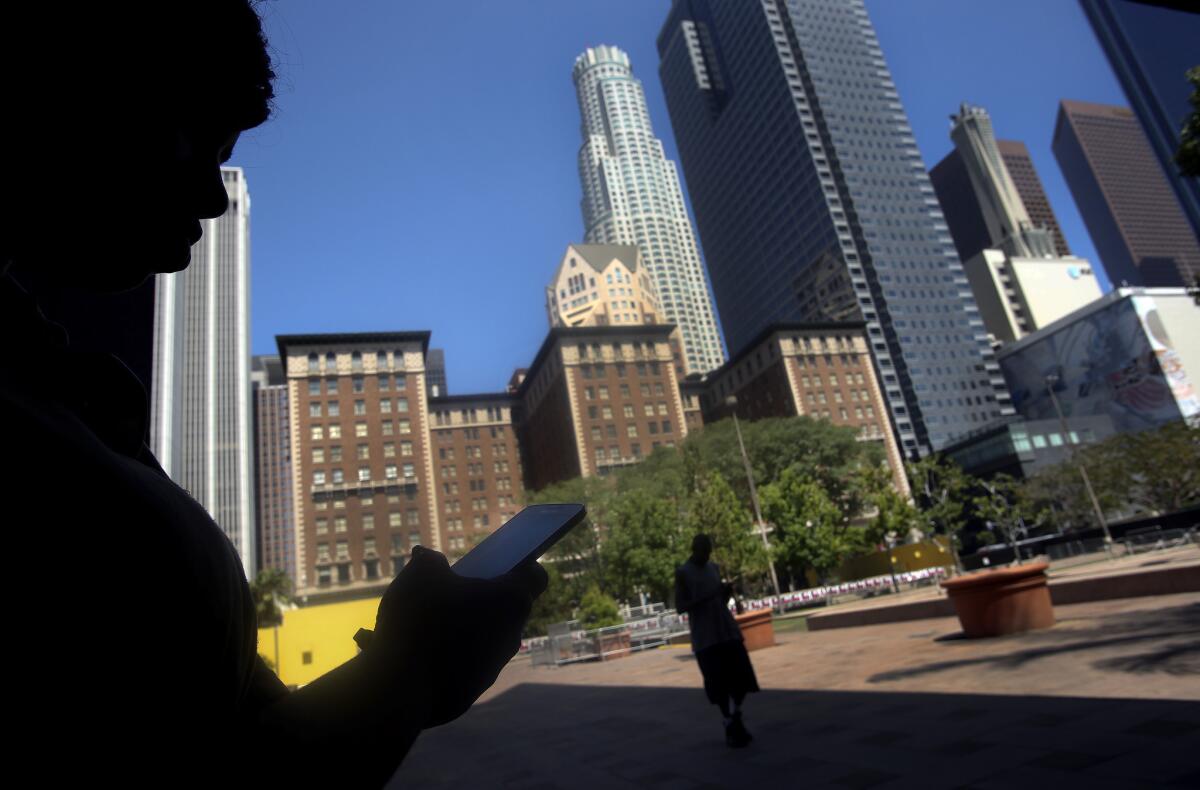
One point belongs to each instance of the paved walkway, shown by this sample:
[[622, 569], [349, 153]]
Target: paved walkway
[[1109, 697]]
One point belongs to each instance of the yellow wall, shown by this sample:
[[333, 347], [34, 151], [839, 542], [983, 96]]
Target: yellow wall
[[910, 557], [325, 631]]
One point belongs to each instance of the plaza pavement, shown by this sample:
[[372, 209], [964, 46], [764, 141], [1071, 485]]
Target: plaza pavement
[[1109, 697]]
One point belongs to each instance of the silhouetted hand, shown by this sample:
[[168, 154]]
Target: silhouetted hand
[[450, 634]]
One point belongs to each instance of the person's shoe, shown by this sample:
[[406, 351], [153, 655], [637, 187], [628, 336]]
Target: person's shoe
[[735, 735], [743, 734]]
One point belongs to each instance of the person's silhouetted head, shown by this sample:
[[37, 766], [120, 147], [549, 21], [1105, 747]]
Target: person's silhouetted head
[[118, 119], [701, 549]]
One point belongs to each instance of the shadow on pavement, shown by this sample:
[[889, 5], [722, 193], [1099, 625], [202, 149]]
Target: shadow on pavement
[[1180, 623], [577, 736]]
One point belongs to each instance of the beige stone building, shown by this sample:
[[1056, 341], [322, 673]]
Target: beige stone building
[[602, 285]]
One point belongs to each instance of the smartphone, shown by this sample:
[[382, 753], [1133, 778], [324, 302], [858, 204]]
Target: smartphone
[[524, 537]]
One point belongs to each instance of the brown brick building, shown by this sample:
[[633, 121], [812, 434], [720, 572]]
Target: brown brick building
[[477, 466], [597, 398], [362, 456], [822, 370], [378, 466]]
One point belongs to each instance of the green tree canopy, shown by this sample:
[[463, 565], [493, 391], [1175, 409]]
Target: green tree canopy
[[715, 511], [810, 530], [642, 547]]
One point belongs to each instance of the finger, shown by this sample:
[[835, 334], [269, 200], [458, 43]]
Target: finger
[[532, 577]]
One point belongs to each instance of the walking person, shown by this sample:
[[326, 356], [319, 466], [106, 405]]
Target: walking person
[[716, 639]]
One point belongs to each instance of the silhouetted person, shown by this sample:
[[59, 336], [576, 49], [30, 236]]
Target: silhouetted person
[[716, 638], [130, 651]]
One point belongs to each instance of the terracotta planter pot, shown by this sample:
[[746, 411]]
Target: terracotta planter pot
[[758, 631], [615, 645], [1004, 601]]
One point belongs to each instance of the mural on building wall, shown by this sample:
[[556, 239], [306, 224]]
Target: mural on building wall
[[1110, 363], [1169, 362]]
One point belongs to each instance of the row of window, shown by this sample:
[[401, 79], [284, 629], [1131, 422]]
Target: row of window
[[337, 476], [334, 431], [362, 452], [333, 407]]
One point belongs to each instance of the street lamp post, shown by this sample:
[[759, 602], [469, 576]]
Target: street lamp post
[[1051, 380], [731, 402]]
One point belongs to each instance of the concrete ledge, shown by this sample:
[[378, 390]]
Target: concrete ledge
[[1132, 584]]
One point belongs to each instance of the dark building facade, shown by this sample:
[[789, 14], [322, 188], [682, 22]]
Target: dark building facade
[[276, 537], [796, 151], [961, 208], [435, 373], [1131, 213], [1150, 49]]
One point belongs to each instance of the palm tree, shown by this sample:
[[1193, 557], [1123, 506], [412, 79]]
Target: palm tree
[[271, 588]]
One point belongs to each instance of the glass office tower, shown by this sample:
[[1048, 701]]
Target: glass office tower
[[799, 158]]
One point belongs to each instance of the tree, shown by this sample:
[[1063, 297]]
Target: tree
[[943, 493], [1156, 471], [715, 511], [557, 604], [895, 519], [999, 503], [598, 610], [270, 589], [1188, 155], [578, 553], [810, 529], [642, 547]]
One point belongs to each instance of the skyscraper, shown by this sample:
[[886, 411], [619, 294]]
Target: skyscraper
[[200, 396], [962, 209], [631, 195], [276, 541], [1019, 281], [1130, 211], [1150, 50], [1004, 213], [797, 153], [1029, 187]]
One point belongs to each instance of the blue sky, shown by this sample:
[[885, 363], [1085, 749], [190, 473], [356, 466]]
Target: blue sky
[[420, 170]]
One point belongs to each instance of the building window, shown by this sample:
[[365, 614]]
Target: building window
[[334, 409], [364, 474], [385, 405], [389, 471], [335, 431], [338, 476], [314, 386], [317, 433], [360, 407], [368, 521], [401, 381], [330, 362], [357, 384], [322, 525], [356, 361], [335, 454], [409, 471], [405, 426], [401, 404], [314, 363], [339, 525], [318, 478], [314, 410]]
